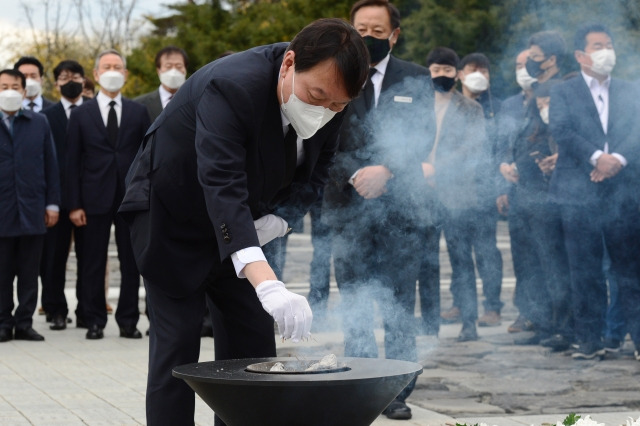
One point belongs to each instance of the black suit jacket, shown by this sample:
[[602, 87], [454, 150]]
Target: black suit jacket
[[213, 162], [153, 103], [96, 170], [576, 128], [58, 122], [398, 134]]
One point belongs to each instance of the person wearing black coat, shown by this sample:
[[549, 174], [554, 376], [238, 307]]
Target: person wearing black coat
[[29, 203], [247, 138]]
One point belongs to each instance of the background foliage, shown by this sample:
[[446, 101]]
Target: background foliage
[[498, 28]]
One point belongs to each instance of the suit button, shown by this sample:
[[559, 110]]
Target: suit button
[[227, 239], [223, 226]]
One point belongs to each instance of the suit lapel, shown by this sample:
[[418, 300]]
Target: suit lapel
[[94, 112]]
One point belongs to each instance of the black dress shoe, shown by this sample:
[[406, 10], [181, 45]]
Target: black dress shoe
[[28, 334], [94, 332], [397, 410], [6, 334], [468, 333], [130, 333], [58, 322]]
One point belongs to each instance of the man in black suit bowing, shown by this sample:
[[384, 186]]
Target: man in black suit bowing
[[216, 160], [103, 137], [69, 77], [375, 202], [594, 120]]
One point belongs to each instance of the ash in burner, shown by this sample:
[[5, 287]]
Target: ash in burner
[[328, 364]]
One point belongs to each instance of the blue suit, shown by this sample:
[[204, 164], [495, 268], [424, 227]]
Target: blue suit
[[591, 211], [29, 182]]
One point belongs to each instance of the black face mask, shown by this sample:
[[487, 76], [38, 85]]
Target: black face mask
[[443, 84], [533, 67], [71, 90], [378, 48]]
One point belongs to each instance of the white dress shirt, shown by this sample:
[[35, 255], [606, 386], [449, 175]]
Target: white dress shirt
[[67, 105], [165, 96], [600, 94], [103, 104], [37, 101]]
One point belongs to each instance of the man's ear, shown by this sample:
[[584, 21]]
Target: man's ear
[[288, 63]]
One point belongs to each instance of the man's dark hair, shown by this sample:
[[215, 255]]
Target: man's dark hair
[[29, 60], [334, 39], [394, 13], [16, 74], [89, 85], [68, 65], [551, 43], [580, 39], [170, 50], [443, 56], [478, 59]]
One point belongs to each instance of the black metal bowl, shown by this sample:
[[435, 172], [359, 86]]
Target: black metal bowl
[[352, 397]]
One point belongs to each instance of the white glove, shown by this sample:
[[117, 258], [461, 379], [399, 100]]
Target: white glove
[[290, 311], [270, 227]]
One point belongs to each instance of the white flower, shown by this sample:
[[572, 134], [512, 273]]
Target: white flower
[[588, 422], [631, 422]]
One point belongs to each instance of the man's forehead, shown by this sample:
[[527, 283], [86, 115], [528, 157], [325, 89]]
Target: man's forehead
[[9, 79]]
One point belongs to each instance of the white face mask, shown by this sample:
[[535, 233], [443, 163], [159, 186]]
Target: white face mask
[[476, 82], [544, 115], [10, 100], [306, 119], [111, 81], [525, 81], [603, 61], [33, 89], [173, 78]]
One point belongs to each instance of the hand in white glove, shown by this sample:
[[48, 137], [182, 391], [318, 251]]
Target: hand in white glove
[[270, 227], [290, 311]]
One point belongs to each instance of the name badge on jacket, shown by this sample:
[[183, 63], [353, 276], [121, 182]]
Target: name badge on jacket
[[403, 99]]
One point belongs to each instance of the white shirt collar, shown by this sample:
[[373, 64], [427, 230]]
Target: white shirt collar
[[594, 83], [104, 100], [165, 96], [381, 67], [37, 101]]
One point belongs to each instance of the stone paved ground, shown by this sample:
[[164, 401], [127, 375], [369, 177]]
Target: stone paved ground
[[68, 380]]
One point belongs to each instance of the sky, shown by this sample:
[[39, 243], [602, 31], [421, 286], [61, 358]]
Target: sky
[[13, 18]]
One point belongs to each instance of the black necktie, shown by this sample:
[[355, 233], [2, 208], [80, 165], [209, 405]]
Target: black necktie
[[369, 96], [32, 105], [112, 124], [290, 155]]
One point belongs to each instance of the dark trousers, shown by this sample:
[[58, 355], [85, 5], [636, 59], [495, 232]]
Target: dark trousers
[[94, 255], [320, 270], [53, 266], [584, 229], [524, 256], [19, 257], [548, 298], [429, 281], [378, 263], [242, 329], [466, 231]]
